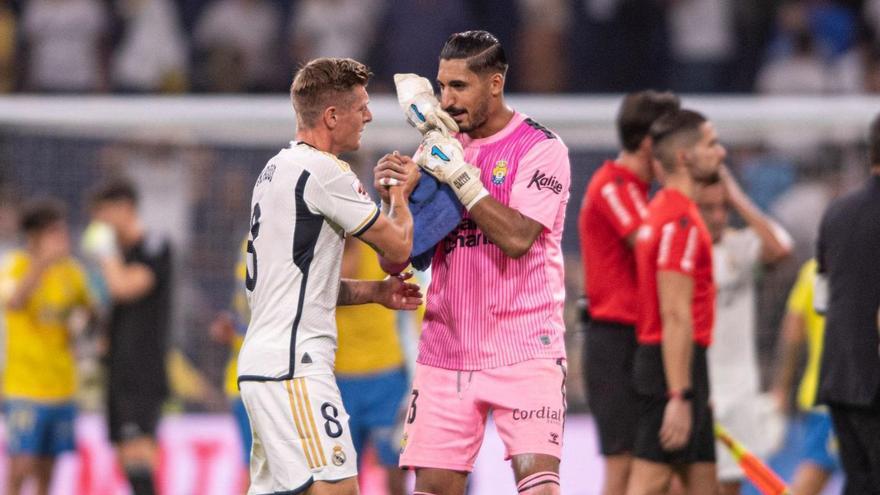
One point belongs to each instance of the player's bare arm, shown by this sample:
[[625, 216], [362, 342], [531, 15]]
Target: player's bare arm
[[793, 337], [675, 292], [394, 292], [43, 255], [392, 234], [17, 296], [399, 169], [507, 228], [776, 243], [126, 282]]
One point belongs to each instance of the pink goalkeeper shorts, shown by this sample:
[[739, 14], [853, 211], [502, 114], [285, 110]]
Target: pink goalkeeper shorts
[[448, 409]]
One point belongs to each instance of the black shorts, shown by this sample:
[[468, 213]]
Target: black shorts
[[650, 384], [609, 351], [132, 413]]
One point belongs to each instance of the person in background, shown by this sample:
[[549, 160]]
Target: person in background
[[229, 328], [64, 45], [41, 286], [152, 54], [8, 47], [802, 324], [247, 32], [848, 291], [738, 253], [136, 268], [674, 430], [613, 208], [351, 34]]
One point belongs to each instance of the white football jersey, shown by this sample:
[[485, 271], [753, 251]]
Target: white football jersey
[[305, 202], [733, 362]]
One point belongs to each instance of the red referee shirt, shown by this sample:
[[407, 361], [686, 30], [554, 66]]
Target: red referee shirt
[[613, 207], [674, 238]]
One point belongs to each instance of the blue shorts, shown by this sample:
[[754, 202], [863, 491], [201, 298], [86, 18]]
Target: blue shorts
[[244, 428], [820, 444], [373, 403], [39, 429]]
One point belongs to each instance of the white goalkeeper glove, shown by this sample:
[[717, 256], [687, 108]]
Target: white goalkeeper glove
[[442, 156], [422, 110], [99, 241]]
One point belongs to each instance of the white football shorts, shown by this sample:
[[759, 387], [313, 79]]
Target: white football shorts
[[301, 434]]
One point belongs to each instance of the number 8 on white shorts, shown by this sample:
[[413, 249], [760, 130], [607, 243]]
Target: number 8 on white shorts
[[300, 430]]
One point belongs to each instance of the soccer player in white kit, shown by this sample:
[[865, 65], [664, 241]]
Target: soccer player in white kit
[[733, 363], [305, 203]]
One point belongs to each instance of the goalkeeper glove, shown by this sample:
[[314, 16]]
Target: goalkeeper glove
[[416, 98], [99, 241], [442, 156]]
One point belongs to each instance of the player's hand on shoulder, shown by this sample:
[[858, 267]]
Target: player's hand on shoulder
[[396, 293]]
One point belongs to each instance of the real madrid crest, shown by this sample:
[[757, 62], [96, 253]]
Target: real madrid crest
[[338, 455], [499, 172]]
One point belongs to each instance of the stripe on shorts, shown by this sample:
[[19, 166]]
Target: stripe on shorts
[[304, 393], [299, 428]]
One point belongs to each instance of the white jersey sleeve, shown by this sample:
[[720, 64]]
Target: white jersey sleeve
[[345, 202]]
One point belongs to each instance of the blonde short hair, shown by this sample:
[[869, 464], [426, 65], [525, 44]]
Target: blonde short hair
[[324, 82]]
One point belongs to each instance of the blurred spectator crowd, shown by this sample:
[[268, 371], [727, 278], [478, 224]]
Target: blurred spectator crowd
[[708, 46]]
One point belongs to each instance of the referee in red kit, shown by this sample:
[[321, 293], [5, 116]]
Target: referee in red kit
[[674, 432], [613, 207]]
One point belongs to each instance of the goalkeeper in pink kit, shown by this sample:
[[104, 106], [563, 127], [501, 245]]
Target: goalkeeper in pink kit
[[492, 340]]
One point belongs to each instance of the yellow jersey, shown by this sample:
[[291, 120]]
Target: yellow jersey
[[40, 363], [242, 315], [800, 302], [368, 339]]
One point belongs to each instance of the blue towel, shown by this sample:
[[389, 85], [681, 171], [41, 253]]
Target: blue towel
[[436, 212]]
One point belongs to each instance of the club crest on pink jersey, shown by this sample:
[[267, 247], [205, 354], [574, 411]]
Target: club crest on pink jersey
[[499, 172]]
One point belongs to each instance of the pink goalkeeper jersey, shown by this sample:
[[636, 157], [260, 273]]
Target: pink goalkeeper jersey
[[486, 309]]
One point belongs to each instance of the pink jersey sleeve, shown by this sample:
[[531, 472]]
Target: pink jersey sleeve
[[542, 182]]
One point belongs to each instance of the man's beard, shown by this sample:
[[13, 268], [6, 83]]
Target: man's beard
[[702, 175], [477, 118]]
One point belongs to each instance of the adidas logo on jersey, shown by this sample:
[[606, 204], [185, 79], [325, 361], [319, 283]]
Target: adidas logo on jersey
[[306, 359]]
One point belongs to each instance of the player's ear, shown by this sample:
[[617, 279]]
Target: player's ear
[[330, 117], [683, 159], [496, 83]]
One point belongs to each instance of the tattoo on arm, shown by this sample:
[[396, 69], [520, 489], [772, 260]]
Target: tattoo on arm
[[345, 294], [353, 292]]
